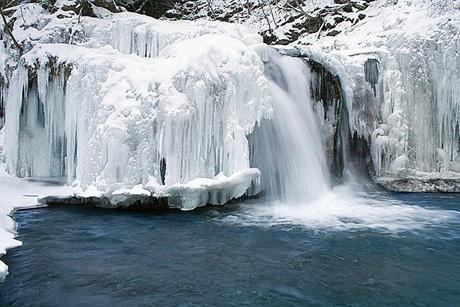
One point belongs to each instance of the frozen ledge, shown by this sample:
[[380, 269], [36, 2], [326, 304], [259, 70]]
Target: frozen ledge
[[196, 193], [424, 182]]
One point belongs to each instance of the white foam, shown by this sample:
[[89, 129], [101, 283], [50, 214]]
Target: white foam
[[344, 208]]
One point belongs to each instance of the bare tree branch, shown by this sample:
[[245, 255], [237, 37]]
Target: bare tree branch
[[141, 6], [299, 9], [8, 31], [271, 13], [265, 16], [210, 9]]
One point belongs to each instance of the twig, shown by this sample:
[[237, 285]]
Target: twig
[[8, 31], [265, 16], [210, 9], [299, 9]]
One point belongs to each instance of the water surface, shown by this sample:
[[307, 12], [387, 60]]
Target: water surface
[[243, 254]]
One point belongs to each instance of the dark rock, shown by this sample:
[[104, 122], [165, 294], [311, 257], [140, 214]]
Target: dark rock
[[313, 25], [173, 14], [348, 8], [326, 89], [134, 202], [359, 154], [339, 19], [154, 8], [86, 7], [269, 38], [333, 33]]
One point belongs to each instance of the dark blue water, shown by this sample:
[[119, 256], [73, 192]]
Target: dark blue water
[[217, 256]]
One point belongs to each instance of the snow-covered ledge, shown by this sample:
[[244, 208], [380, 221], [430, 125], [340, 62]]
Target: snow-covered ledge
[[198, 192]]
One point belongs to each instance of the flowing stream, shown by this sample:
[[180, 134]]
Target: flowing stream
[[287, 149], [236, 255]]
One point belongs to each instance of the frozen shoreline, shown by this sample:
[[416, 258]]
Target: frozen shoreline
[[19, 193]]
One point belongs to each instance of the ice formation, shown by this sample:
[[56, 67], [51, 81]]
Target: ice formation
[[112, 120], [148, 107], [400, 75], [398, 69]]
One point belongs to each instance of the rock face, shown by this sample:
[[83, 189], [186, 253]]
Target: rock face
[[332, 114]]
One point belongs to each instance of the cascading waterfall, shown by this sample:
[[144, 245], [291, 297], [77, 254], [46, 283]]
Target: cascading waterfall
[[118, 148], [288, 149]]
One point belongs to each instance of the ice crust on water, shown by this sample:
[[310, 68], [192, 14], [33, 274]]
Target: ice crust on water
[[108, 119]]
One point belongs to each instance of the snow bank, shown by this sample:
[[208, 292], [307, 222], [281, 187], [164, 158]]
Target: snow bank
[[216, 191], [146, 37]]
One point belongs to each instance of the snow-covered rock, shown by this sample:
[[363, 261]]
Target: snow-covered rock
[[399, 70]]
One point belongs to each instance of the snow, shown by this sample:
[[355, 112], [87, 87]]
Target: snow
[[127, 32], [217, 191], [146, 37]]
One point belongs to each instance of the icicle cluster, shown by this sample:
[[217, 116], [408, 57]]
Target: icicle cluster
[[421, 108], [146, 37], [113, 121], [35, 136]]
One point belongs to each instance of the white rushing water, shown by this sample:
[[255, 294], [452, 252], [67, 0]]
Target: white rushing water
[[289, 152], [288, 148]]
